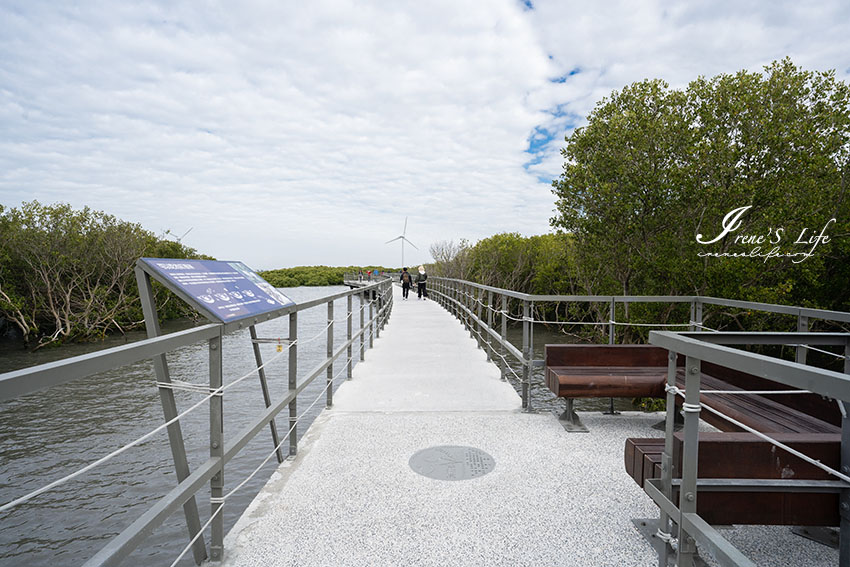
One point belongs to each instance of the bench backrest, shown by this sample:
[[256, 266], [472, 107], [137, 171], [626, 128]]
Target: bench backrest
[[605, 355]]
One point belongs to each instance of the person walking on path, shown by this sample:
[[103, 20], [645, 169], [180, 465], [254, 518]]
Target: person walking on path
[[405, 283], [420, 283]]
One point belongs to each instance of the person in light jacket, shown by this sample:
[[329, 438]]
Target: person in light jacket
[[420, 283]]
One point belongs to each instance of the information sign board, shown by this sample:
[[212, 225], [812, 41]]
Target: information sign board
[[228, 291]]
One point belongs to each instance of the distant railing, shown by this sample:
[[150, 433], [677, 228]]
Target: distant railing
[[467, 301], [375, 297], [368, 276]]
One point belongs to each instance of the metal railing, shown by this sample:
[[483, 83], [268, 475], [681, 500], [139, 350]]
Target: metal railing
[[708, 347], [376, 297], [467, 300]]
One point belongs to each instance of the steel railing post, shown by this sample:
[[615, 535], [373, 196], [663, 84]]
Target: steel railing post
[[526, 353], [664, 523], [693, 315], [489, 348], [468, 310], [349, 334], [802, 327], [330, 353], [169, 410], [461, 289], [453, 287], [216, 451], [264, 386], [530, 352], [478, 323], [293, 383], [690, 454], [379, 300], [459, 301], [844, 496], [698, 318], [503, 363], [371, 323], [362, 326], [611, 331]]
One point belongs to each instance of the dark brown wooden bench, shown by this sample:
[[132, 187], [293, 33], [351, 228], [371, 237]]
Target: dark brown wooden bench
[[806, 422], [603, 371]]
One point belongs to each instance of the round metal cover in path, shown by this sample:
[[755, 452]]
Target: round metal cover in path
[[450, 462]]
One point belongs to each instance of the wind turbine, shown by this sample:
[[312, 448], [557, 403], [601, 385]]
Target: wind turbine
[[179, 239], [403, 239]]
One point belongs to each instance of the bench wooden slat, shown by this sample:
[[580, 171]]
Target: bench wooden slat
[[636, 451], [606, 381], [605, 355]]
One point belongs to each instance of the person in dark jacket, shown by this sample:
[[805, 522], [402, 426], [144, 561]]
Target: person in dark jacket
[[420, 283], [405, 280]]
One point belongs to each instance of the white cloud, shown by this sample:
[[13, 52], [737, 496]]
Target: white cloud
[[302, 133]]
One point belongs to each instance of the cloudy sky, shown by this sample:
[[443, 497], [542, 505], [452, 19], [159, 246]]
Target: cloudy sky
[[285, 133]]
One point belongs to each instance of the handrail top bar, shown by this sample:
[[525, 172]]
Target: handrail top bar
[[767, 338], [787, 309], [28, 380], [825, 382], [328, 298], [289, 309], [811, 312]]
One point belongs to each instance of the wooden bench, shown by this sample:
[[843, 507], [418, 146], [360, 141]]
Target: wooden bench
[[806, 422], [603, 371]]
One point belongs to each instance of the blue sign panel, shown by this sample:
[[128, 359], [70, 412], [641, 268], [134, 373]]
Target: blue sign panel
[[228, 291]]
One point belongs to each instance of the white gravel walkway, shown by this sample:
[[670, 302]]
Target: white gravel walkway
[[554, 498]]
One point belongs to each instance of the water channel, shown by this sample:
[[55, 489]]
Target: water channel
[[51, 433]]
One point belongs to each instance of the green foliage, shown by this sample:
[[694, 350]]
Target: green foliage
[[655, 167], [650, 404], [68, 274], [314, 275], [535, 264]]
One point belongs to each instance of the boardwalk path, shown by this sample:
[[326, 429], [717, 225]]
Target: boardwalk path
[[350, 497]]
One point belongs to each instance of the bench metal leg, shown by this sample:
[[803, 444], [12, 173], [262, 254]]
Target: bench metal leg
[[611, 410], [570, 420], [822, 535]]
